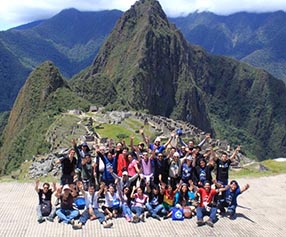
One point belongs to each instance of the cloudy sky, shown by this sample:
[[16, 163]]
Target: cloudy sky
[[18, 12]]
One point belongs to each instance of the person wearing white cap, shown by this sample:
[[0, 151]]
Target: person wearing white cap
[[124, 181], [175, 166], [67, 213]]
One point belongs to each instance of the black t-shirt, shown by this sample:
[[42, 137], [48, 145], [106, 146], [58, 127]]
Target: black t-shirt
[[155, 200], [222, 169], [68, 166], [44, 196]]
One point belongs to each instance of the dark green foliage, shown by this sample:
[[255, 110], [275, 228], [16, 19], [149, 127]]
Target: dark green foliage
[[44, 96]]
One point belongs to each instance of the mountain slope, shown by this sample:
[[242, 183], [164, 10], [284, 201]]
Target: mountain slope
[[12, 73], [151, 66], [70, 39], [255, 38], [44, 95]]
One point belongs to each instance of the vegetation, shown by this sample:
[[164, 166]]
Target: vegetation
[[271, 168], [44, 96]]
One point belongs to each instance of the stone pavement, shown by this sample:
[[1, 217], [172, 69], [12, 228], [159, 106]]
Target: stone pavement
[[261, 213]]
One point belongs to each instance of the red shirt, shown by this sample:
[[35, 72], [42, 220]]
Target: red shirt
[[121, 163], [206, 197]]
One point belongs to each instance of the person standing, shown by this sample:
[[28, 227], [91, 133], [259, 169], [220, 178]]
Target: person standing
[[68, 164]]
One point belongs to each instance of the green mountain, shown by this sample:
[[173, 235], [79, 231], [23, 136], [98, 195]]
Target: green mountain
[[44, 96], [146, 64], [12, 73], [255, 38], [70, 39]]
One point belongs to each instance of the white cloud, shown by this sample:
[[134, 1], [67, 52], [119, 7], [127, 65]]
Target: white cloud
[[17, 12]]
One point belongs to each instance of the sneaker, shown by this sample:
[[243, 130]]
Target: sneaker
[[71, 222], [165, 217], [210, 223], [136, 219], [41, 220], [51, 219], [142, 218], [108, 225], [200, 222], [156, 217], [148, 215], [77, 226]]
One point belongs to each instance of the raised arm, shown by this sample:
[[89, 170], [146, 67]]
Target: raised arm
[[170, 139], [54, 187], [207, 137], [145, 139], [237, 149], [37, 185], [244, 188]]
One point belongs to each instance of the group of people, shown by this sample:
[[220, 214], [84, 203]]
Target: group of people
[[173, 180]]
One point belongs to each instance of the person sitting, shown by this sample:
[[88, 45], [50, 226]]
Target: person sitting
[[168, 199], [155, 206], [111, 207], [206, 206], [231, 194], [140, 200], [66, 212], [45, 207], [125, 204], [186, 199], [91, 210]]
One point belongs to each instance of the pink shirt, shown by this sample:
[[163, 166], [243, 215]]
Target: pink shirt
[[131, 168], [140, 201]]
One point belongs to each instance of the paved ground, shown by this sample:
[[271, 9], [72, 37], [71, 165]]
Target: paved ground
[[261, 213]]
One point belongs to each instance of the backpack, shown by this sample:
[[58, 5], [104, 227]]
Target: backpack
[[80, 203], [46, 207]]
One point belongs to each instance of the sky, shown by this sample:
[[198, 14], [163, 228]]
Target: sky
[[18, 12]]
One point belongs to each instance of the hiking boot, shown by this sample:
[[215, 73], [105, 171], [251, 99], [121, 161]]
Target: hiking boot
[[156, 217], [210, 223], [77, 226], [200, 222], [41, 220], [51, 219], [108, 225]]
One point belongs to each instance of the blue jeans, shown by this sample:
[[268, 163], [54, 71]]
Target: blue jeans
[[201, 212], [137, 210], [126, 210], [154, 210], [85, 216], [231, 210], [67, 215]]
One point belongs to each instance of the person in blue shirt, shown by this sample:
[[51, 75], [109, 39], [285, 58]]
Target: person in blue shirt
[[231, 194]]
